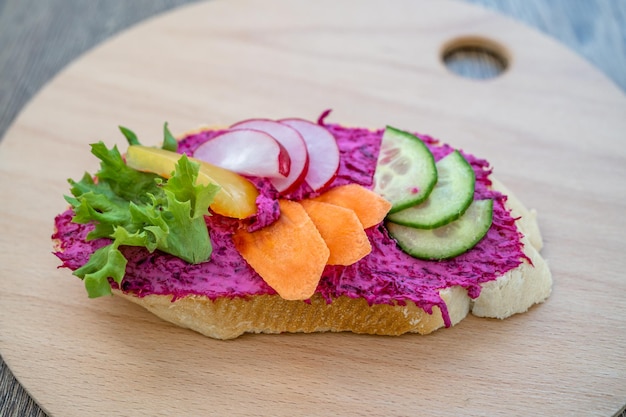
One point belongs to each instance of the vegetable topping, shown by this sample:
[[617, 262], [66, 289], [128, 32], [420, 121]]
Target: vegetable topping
[[134, 208], [336, 237]]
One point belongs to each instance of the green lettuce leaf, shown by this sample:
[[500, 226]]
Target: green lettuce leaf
[[134, 208], [106, 262], [124, 181], [169, 141]]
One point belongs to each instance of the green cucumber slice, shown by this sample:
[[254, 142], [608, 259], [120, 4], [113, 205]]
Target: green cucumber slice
[[405, 172], [446, 241], [452, 195]]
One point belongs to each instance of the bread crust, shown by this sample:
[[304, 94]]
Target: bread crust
[[227, 318]]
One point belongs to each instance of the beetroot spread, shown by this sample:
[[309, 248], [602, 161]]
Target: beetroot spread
[[385, 276]]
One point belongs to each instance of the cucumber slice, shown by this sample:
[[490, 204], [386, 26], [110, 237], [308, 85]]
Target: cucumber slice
[[405, 172], [452, 195], [446, 241]]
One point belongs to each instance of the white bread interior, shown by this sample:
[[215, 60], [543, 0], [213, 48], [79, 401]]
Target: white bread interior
[[518, 289], [227, 318]]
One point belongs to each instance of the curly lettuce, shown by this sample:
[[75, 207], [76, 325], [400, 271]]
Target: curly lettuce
[[134, 208]]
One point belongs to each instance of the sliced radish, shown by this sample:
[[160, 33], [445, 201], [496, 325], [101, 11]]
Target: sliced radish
[[292, 141], [323, 152], [247, 152]]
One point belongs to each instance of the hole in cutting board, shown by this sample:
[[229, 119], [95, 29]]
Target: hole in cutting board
[[475, 57]]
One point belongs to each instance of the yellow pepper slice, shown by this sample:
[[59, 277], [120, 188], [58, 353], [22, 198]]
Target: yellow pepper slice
[[236, 197]]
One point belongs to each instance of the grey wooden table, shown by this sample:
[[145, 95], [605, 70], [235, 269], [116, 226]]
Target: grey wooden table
[[38, 38]]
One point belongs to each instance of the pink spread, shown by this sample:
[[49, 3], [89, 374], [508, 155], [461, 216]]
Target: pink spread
[[385, 276]]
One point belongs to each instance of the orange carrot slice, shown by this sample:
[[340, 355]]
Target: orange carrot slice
[[290, 254], [369, 207], [342, 231]]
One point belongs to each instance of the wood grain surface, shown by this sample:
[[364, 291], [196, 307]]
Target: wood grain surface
[[552, 126]]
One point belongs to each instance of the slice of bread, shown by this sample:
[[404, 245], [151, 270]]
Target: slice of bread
[[226, 318], [528, 280]]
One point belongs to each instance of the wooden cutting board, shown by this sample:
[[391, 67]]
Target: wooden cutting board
[[552, 127]]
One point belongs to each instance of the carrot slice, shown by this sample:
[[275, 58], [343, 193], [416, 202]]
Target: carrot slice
[[290, 254], [342, 231], [369, 207]]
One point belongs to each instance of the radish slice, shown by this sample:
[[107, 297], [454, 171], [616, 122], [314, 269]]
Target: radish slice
[[323, 152], [247, 152], [292, 141]]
